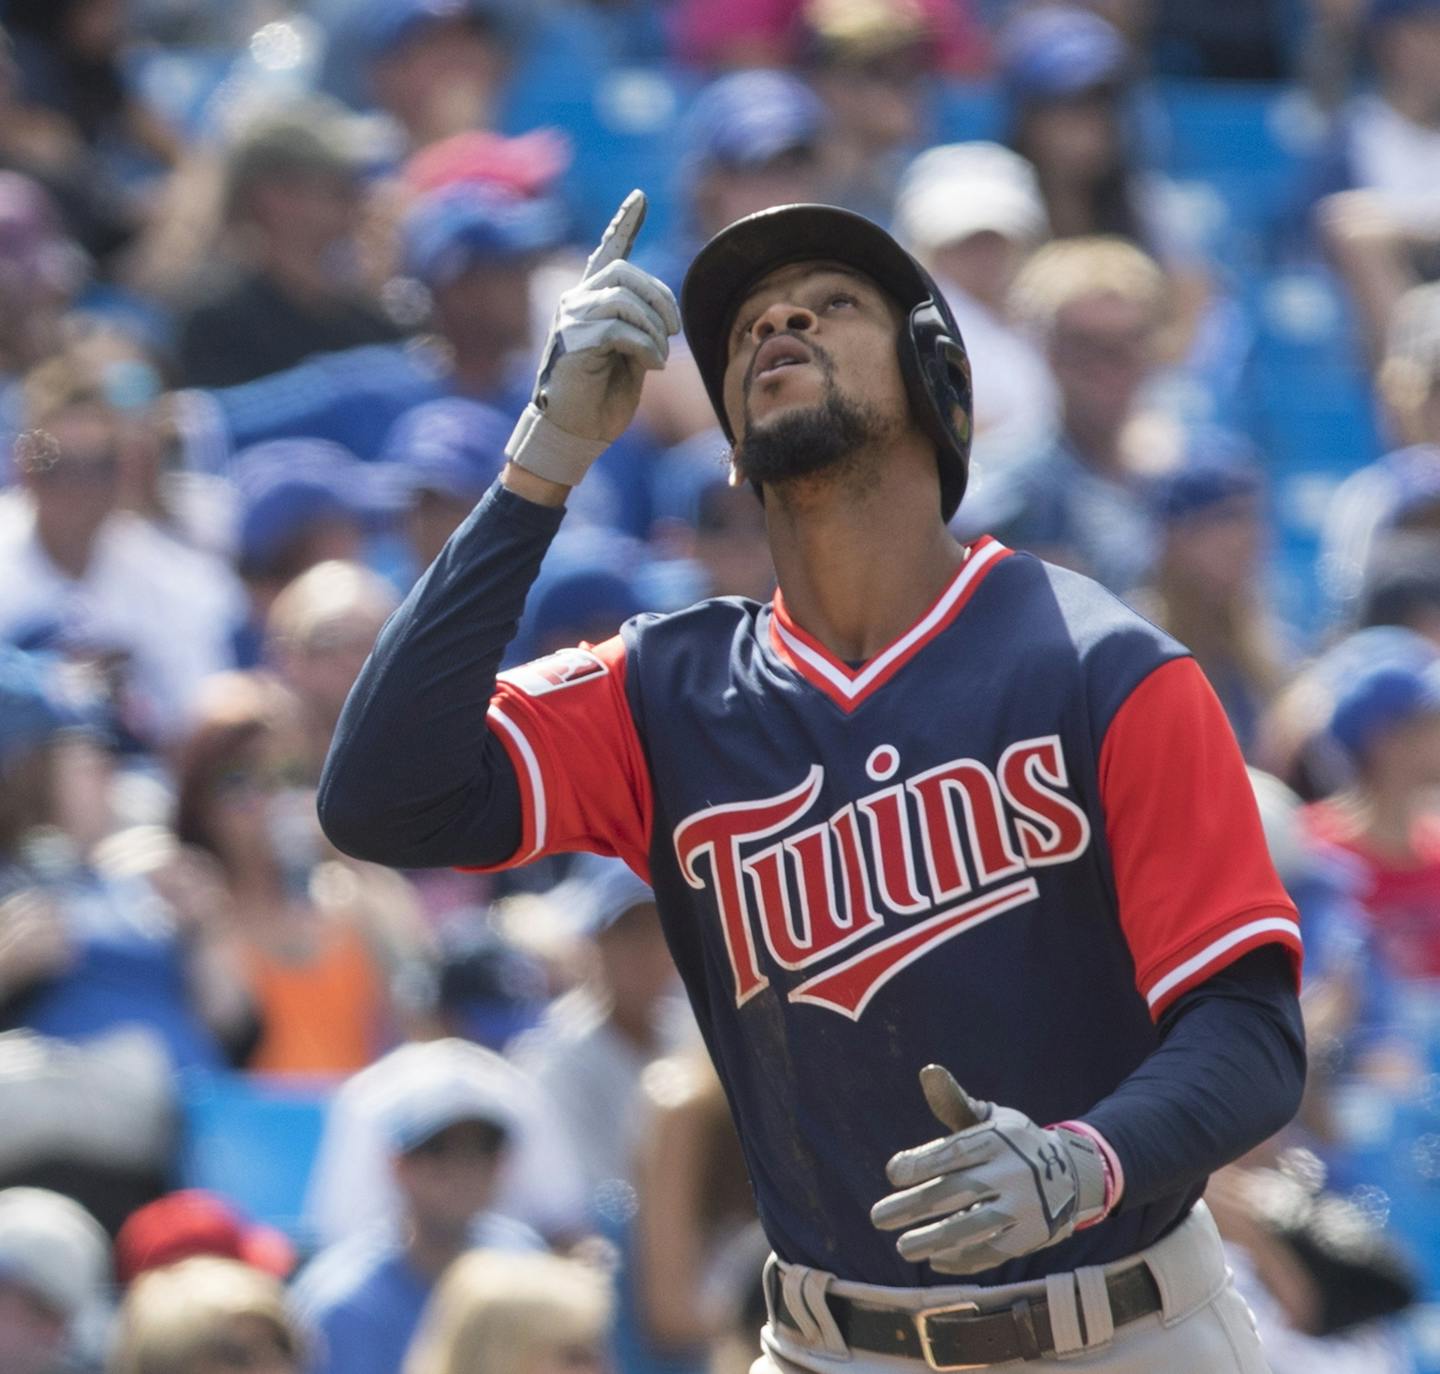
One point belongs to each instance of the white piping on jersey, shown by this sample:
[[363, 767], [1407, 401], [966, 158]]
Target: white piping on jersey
[[532, 769], [1214, 951], [851, 687]]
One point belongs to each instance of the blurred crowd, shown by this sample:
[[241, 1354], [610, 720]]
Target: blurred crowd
[[272, 277]]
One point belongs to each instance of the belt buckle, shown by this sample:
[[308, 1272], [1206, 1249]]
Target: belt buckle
[[922, 1327]]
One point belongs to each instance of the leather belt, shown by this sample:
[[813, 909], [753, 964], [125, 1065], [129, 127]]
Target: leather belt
[[962, 1335]]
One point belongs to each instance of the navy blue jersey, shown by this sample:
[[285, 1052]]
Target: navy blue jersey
[[1004, 844]]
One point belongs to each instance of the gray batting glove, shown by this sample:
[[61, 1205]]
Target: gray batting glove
[[1001, 1185], [609, 330]]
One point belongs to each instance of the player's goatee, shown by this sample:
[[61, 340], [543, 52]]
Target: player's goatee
[[822, 438]]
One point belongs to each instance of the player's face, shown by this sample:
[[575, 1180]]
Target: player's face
[[808, 332]]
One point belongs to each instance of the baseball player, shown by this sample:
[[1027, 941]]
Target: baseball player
[[936, 809]]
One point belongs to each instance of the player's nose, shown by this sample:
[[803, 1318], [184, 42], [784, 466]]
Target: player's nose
[[782, 317]]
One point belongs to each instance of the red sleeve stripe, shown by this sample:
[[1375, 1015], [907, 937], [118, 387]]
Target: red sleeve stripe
[[532, 785], [1195, 969]]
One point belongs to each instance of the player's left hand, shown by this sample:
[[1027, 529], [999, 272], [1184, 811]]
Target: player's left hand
[[1000, 1185]]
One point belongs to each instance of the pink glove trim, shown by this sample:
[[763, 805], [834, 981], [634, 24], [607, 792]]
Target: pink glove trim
[[1114, 1170]]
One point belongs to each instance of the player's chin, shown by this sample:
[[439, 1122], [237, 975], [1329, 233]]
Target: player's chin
[[773, 407]]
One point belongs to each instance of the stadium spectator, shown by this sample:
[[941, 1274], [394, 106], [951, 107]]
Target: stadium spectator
[[1097, 306], [192, 1222], [1385, 512], [1379, 217], [487, 990], [41, 270], [99, 577], [86, 949], [54, 1272], [1065, 77], [709, 536], [206, 1315], [284, 286], [872, 63], [438, 67], [446, 1129], [593, 1045], [245, 795], [318, 634], [474, 247], [1324, 1282], [1384, 722], [751, 139], [1207, 585], [71, 116], [771, 33], [972, 213], [353, 1192], [446, 454], [508, 1314], [302, 502], [693, 1208]]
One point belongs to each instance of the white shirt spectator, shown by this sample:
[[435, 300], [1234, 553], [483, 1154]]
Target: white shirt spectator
[[169, 608]]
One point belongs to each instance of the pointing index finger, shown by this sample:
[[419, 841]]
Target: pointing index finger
[[619, 236]]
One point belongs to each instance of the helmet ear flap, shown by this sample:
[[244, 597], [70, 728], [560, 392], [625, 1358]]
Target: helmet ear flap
[[936, 371]]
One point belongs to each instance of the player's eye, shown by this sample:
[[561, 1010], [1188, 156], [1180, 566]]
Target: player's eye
[[840, 298]]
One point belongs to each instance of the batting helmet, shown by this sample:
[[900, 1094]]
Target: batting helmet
[[932, 354]]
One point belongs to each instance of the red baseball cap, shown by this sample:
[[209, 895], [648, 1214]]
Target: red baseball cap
[[193, 1222]]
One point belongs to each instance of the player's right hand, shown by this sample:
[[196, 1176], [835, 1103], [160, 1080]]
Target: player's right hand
[[610, 328]]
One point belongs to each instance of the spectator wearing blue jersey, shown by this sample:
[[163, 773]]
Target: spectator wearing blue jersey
[[473, 247], [751, 139], [1207, 588], [302, 502], [88, 946], [1097, 306], [445, 454], [447, 1126], [708, 533]]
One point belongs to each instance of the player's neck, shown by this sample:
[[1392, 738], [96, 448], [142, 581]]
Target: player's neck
[[857, 571]]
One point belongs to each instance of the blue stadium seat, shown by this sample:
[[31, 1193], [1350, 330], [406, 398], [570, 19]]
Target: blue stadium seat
[[252, 1141]]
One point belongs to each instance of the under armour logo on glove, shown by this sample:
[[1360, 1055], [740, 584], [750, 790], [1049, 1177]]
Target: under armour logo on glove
[[1000, 1185]]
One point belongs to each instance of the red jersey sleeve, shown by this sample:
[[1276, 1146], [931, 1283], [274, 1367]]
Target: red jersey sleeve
[[1195, 883], [566, 724]]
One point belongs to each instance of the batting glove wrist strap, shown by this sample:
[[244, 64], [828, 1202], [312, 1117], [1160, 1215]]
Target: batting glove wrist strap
[[539, 445], [997, 1188]]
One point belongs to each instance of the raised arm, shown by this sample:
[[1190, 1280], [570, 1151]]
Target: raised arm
[[414, 776]]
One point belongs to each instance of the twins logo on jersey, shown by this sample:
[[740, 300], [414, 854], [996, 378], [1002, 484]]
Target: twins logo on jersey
[[811, 891]]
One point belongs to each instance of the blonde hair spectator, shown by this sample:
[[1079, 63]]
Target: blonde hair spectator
[[206, 1309], [318, 633], [515, 1314], [320, 597], [1069, 270]]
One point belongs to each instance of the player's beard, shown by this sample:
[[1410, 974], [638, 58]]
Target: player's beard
[[832, 437]]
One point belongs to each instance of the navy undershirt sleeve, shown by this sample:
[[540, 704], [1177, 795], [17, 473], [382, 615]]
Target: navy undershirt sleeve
[[414, 776], [1228, 1074]]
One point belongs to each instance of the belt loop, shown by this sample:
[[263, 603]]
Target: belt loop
[[1064, 1314], [792, 1279], [812, 1289], [1095, 1306], [1028, 1336]]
